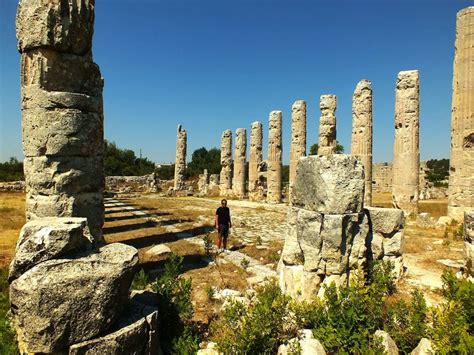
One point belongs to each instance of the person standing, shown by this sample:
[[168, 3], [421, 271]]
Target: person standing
[[223, 224]]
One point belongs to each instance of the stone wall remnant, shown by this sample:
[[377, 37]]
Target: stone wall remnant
[[275, 148], [361, 144], [255, 156], [240, 163], [327, 125], [461, 170], [406, 151], [62, 111], [382, 177], [298, 136], [226, 163], [124, 184], [203, 183], [180, 164], [468, 233]]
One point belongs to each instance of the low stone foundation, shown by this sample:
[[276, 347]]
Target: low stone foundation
[[126, 184]]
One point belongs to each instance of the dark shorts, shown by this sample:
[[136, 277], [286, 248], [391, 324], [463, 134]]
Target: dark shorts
[[224, 230]]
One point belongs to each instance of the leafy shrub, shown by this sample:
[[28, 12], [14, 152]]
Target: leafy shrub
[[8, 344], [245, 263], [140, 280], [208, 244], [177, 334]]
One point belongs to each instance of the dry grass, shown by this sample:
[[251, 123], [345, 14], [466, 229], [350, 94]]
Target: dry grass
[[12, 212]]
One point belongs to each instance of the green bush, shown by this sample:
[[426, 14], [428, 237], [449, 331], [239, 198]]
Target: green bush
[[8, 345], [140, 280], [11, 170]]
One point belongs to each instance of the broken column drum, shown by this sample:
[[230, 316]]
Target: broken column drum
[[461, 170], [180, 164], [327, 125], [406, 153], [298, 136], [274, 158], [240, 164], [226, 163], [62, 115], [361, 144], [255, 156]]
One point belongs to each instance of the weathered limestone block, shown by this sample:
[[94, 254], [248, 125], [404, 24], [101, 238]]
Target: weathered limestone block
[[12, 186], [61, 302], [64, 25], [327, 125], [240, 164], [134, 333], [469, 226], [84, 204], [386, 220], [298, 136], [255, 156], [361, 144], [203, 183], [424, 347], [145, 183], [307, 344], [406, 156], [330, 184], [387, 342], [48, 238], [226, 162], [275, 147], [180, 164], [461, 171], [469, 243]]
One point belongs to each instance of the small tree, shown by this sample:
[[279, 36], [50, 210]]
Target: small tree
[[313, 150]]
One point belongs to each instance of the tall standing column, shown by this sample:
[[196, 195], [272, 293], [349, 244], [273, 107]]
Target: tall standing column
[[298, 136], [180, 164], [406, 152], [361, 144], [461, 172], [226, 162], [62, 111], [327, 125], [255, 156], [274, 158], [240, 176]]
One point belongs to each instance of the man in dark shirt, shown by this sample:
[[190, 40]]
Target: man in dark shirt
[[223, 224]]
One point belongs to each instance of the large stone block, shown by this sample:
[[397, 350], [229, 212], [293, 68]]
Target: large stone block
[[386, 220], [62, 132], [34, 97], [54, 71], [48, 238], [88, 205], [469, 226], [71, 175], [394, 245], [332, 184], [64, 25], [61, 302]]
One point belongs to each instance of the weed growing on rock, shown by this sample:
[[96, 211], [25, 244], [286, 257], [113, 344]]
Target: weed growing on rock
[[140, 280], [245, 263], [8, 345]]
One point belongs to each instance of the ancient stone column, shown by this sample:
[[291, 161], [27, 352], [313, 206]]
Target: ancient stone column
[[62, 111], [180, 164], [226, 162], [255, 157], [406, 152], [361, 144], [327, 125], [274, 158], [298, 136], [240, 162], [461, 172]]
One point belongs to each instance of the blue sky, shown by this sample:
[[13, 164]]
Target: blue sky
[[215, 65]]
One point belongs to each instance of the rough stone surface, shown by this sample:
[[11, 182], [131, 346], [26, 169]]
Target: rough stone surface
[[48, 238], [203, 183], [240, 154], [158, 250], [387, 342], [406, 156], [275, 147], [307, 344], [298, 136], [386, 221], [382, 175], [180, 164], [327, 125], [64, 301], [461, 171], [12, 186], [62, 111], [125, 184], [226, 163], [424, 347], [361, 144], [255, 156], [329, 184], [468, 233]]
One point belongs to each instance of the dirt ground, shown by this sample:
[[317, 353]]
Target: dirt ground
[[258, 232]]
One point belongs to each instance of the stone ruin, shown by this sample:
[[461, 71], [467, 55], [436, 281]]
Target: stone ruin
[[330, 235], [468, 233], [275, 147], [327, 125], [240, 163], [461, 170], [125, 184], [68, 293], [180, 164], [255, 157], [406, 150], [298, 136], [226, 163]]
